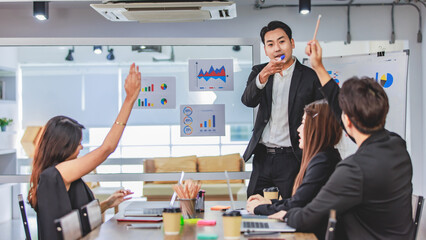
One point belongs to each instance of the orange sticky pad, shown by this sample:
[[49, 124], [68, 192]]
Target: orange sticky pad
[[219, 208], [206, 223]]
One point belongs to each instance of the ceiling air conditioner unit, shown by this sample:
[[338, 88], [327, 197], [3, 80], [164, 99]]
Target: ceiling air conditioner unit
[[166, 11]]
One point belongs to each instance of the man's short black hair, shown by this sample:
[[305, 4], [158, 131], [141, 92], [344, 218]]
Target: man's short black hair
[[274, 25], [365, 102]]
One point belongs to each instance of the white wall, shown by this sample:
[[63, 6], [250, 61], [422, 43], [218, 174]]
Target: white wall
[[367, 23]]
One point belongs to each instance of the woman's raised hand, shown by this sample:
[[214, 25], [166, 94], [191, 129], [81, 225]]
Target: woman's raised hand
[[133, 83]]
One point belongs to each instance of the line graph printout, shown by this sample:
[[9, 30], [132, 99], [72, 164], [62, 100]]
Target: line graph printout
[[157, 93], [211, 74], [202, 120]]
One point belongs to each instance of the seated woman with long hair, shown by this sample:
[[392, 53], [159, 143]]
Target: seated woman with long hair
[[319, 133], [56, 187]]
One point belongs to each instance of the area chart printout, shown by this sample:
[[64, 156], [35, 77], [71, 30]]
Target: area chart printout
[[211, 74], [157, 93], [202, 120]]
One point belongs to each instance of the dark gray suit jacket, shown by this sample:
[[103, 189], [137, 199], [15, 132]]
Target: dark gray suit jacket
[[319, 169], [304, 89]]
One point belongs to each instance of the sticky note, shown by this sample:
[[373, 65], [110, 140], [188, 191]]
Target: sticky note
[[219, 208], [206, 223], [206, 236]]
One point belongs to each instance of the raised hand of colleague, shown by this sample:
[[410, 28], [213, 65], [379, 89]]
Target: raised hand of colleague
[[56, 187], [314, 51], [132, 84], [74, 168]]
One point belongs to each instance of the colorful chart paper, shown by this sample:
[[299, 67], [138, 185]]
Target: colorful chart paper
[[157, 93], [202, 120], [211, 74]]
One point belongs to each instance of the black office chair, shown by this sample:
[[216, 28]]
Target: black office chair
[[417, 205], [68, 227], [24, 217], [91, 216], [331, 227]]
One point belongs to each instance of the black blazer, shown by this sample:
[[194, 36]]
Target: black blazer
[[304, 89], [370, 190], [319, 169], [54, 201]]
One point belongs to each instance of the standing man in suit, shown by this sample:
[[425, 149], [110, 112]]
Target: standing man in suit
[[280, 89]]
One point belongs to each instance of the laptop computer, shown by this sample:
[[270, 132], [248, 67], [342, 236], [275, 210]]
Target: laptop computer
[[257, 226], [135, 211], [265, 226]]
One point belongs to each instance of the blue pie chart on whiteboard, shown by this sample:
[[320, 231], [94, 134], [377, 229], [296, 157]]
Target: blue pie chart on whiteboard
[[386, 80]]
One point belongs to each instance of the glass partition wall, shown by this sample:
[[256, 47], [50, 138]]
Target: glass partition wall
[[66, 77], [42, 78]]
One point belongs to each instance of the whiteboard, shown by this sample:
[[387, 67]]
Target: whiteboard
[[390, 69]]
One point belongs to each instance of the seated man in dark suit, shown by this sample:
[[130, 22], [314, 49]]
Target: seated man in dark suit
[[371, 189]]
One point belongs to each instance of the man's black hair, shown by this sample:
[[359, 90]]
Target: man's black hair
[[274, 25]]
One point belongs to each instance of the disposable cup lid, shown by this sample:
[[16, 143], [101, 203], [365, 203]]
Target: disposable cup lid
[[171, 210], [232, 214], [271, 189]]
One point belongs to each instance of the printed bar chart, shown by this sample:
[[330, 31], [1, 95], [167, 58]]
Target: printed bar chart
[[144, 103], [202, 120], [208, 123], [148, 89], [157, 93]]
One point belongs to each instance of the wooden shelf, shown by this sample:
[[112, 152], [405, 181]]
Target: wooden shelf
[[7, 151]]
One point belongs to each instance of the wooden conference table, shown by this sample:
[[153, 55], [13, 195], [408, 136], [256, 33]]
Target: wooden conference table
[[112, 229]]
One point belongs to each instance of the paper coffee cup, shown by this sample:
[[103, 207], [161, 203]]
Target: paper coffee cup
[[231, 224], [270, 193], [171, 221]]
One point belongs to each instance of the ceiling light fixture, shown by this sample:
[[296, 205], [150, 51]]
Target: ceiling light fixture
[[97, 49], [69, 57], [146, 48], [110, 55], [304, 6], [165, 59], [41, 10]]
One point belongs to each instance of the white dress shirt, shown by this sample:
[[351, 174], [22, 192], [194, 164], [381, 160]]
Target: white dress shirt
[[277, 131]]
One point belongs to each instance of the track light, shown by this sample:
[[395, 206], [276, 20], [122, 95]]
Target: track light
[[97, 49], [304, 6], [41, 10], [69, 57], [110, 55], [146, 48]]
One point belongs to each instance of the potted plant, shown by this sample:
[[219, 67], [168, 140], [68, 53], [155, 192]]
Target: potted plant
[[4, 122]]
